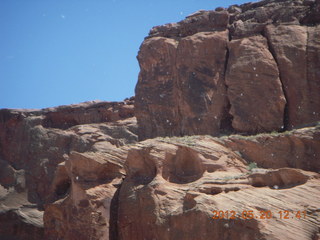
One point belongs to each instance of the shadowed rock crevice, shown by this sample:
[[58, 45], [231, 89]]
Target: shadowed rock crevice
[[63, 188], [183, 167], [113, 220], [279, 179], [285, 112], [226, 121]]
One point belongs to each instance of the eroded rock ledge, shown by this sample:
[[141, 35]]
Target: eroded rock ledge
[[165, 188], [34, 145]]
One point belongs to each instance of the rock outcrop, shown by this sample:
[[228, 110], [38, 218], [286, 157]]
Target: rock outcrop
[[34, 144], [176, 188], [181, 89], [244, 82], [155, 189], [247, 69], [90, 208]]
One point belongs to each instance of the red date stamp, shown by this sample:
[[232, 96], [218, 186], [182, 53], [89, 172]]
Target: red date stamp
[[250, 214]]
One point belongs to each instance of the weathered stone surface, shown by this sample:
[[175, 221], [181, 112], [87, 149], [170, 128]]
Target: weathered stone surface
[[174, 185], [296, 149], [157, 93], [313, 16], [202, 100], [89, 112], [290, 44], [183, 93], [34, 142], [19, 219], [254, 87], [255, 16], [27, 143], [288, 62], [246, 69], [90, 208], [200, 21]]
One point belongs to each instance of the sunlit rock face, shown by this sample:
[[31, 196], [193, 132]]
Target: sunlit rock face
[[129, 170], [34, 146], [197, 188], [246, 69]]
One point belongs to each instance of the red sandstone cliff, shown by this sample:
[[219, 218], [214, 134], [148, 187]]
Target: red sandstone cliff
[[246, 69], [79, 172]]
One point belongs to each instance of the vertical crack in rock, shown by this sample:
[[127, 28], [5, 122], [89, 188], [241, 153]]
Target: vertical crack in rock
[[289, 44], [113, 220], [313, 72], [254, 88], [226, 122], [285, 112]]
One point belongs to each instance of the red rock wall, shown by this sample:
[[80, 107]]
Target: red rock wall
[[249, 69]]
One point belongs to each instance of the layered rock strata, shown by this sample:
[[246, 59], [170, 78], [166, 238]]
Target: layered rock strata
[[34, 144]]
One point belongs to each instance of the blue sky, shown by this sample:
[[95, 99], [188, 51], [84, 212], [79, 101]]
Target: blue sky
[[58, 52]]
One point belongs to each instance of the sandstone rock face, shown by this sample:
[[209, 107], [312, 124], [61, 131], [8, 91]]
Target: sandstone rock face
[[89, 112], [296, 149], [19, 219], [34, 142], [79, 172], [91, 206], [184, 92], [299, 70], [175, 185], [254, 87], [268, 80]]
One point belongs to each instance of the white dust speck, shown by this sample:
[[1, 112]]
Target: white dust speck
[[241, 94], [167, 120], [181, 13], [275, 187], [62, 16], [257, 75], [77, 178], [314, 113], [254, 68]]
